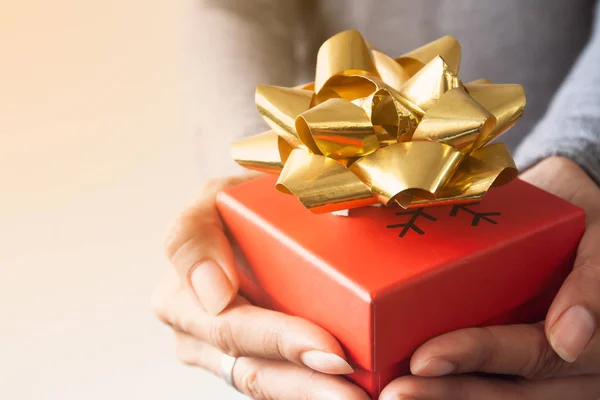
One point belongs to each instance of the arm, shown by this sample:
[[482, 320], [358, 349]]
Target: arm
[[571, 127], [238, 44]]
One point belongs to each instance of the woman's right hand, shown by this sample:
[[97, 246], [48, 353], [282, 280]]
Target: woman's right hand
[[279, 356]]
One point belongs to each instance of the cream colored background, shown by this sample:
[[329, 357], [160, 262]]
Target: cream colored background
[[96, 124]]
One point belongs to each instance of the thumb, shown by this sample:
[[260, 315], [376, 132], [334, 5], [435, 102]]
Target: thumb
[[200, 251], [573, 320]]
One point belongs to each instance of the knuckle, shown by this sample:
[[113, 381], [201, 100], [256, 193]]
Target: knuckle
[[273, 342], [312, 381], [181, 324], [590, 272], [164, 304], [180, 232], [521, 388], [197, 224], [186, 224], [171, 314], [251, 384], [487, 356], [160, 304], [544, 364], [221, 335]]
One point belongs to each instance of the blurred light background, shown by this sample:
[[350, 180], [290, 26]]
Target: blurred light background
[[96, 156]]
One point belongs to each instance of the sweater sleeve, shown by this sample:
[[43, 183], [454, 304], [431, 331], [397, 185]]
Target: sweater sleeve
[[236, 45], [571, 126]]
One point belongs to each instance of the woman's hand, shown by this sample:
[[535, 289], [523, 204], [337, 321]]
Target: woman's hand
[[280, 357], [553, 360]]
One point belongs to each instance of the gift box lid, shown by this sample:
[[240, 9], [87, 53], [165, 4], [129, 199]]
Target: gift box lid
[[384, 279]]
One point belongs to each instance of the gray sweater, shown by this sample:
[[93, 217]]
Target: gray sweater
[[552, 47]]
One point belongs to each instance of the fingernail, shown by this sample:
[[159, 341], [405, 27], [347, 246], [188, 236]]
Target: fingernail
[[433, 367], [212, 286], [572, 332], [328, 363]]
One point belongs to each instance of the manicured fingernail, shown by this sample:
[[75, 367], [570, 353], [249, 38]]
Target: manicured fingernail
[[433, 367], [572, 332], [328, 363], [212, 286]]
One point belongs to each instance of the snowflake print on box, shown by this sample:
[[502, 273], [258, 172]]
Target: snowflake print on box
[[412, 223], [477, 216], [417, 216]]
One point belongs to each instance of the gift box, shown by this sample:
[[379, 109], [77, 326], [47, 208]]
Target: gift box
[[383, 280], [438, 234]]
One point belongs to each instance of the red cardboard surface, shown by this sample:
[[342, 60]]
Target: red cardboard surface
[[385, 280]]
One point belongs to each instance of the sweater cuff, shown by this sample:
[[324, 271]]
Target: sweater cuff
[[581, 144]]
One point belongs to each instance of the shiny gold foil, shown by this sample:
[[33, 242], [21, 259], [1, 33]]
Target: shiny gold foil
[[353, 136], [390, 71], [455, 119], [505, 102], [343, 54], [445, 47], [373, 129], [311, 177], [279, 106], [265, 152], [402, 170], [426, 87]]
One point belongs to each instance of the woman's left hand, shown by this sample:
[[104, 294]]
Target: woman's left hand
[[553, 360]]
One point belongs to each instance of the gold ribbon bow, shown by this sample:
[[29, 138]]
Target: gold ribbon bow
[[376, 129]]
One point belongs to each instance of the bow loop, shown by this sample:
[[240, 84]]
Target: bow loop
[[345, 53], [338, 128], [446, 47], [456, 119], [279, 107]]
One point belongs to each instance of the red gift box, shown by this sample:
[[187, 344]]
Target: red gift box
[[384, 280]]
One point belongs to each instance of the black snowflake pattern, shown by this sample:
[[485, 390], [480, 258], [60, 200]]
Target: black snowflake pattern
[[477, 216], [412, 223]]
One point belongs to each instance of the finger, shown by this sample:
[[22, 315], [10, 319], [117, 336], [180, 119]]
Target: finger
[[194, 352], [200, 251], [245, 330], [585, 387], [466, 387], [175, 305], [168, 285], [511, 350], [451, 388], [268, 379]]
